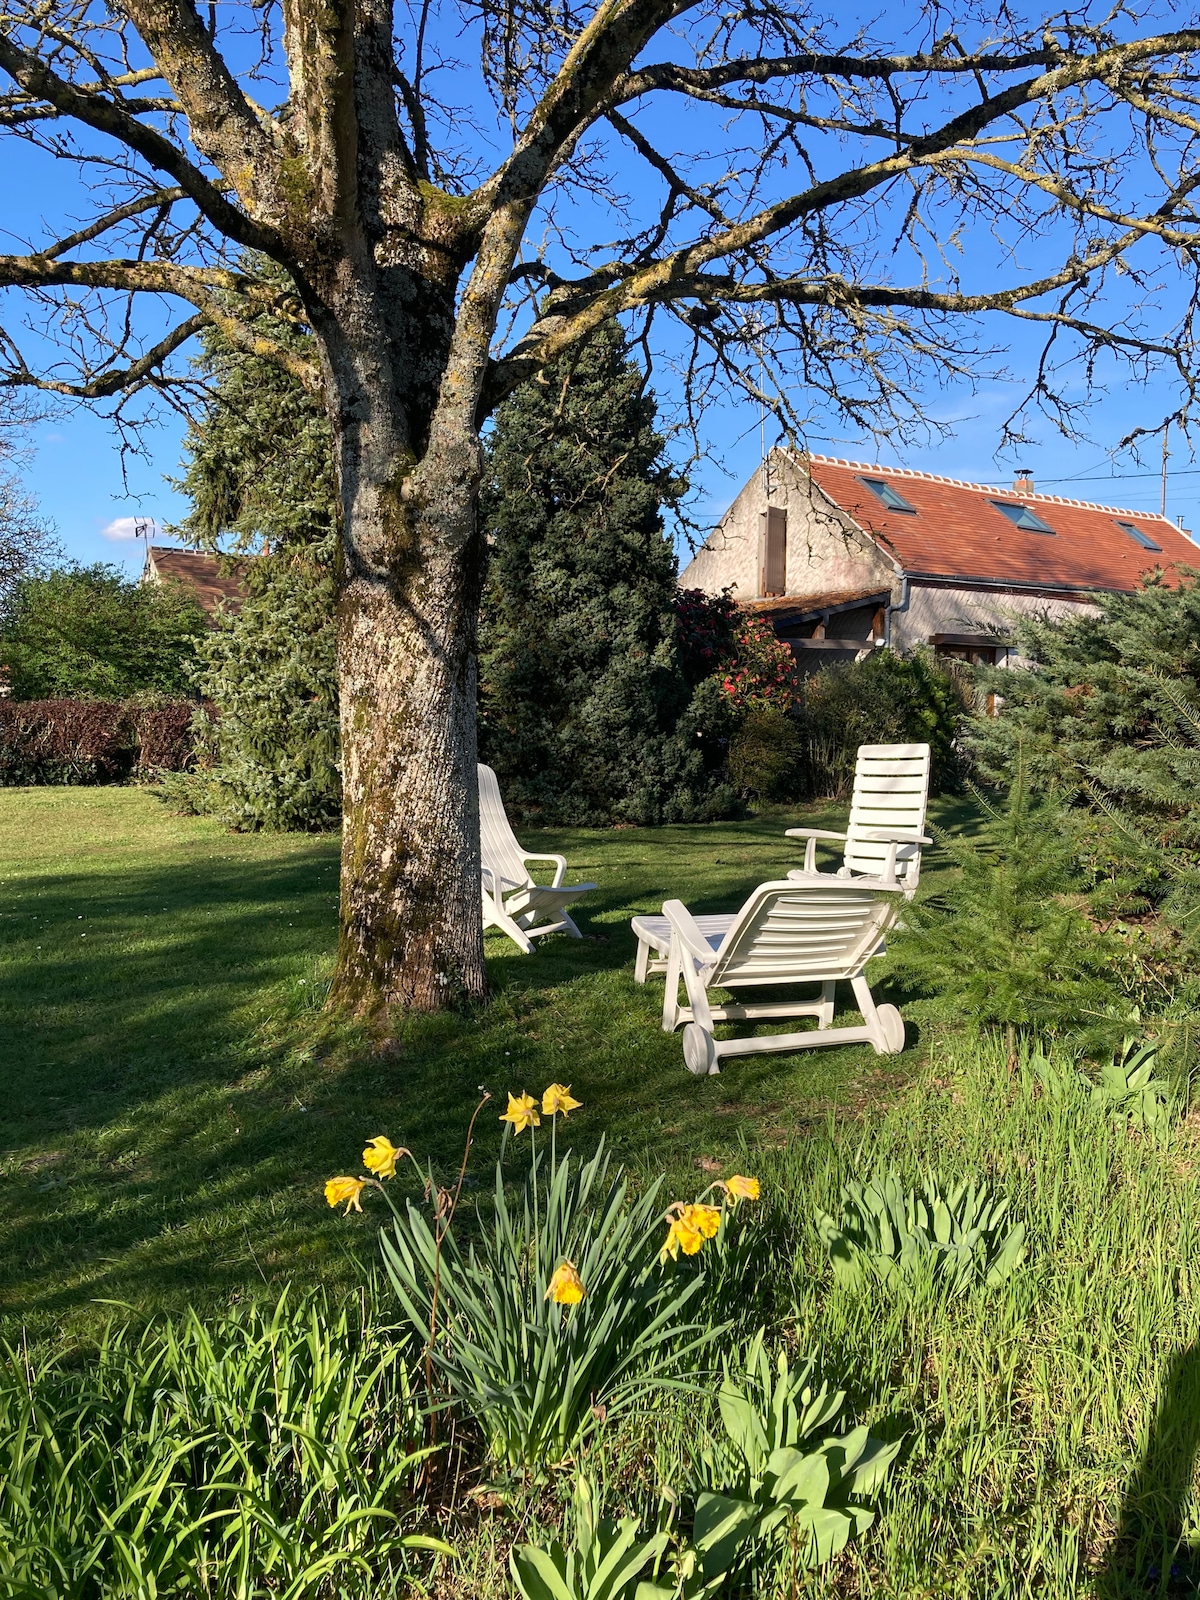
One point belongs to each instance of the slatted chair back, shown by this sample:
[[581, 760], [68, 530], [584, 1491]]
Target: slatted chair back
[[891, 790], [499, 851], [789, 932]]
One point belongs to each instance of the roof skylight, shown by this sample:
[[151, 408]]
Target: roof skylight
[[890, 497], [1022, 517], [1144, 539]]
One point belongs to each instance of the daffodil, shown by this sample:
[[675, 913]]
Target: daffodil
[[740, 1188], [558, 1098], [680, 1236], [566, 1286], [522, 1112], [347, 1189], [380, 1157], [704, 1220]]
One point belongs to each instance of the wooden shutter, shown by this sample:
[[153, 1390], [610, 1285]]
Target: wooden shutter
[[774, 552]]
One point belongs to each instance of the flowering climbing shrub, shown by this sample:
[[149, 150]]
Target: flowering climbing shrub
[[760, 671], [573, 1298]]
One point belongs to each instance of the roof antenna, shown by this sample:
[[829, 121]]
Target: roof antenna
[[1162, 508]]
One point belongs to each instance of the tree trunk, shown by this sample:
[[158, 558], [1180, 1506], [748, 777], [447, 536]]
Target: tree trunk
[[411, 926]]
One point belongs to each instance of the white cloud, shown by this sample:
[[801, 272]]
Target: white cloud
[[131, 528]]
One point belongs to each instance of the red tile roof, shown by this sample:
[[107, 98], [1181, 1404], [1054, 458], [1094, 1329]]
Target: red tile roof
[[958, 533], [199, 572]]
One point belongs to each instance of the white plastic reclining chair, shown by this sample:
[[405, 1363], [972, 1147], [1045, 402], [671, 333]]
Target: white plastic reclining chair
[[887, 817], [819, 931], [525, 910], [883, 840]]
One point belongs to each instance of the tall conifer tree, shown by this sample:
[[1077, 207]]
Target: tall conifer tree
[[261, 481], [586, 712]]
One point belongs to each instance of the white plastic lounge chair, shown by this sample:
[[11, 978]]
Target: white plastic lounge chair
[[525, 910], [816, 931], [883, 840], [887, 817]]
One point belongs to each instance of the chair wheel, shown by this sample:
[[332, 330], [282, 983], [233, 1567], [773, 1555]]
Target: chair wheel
[[699, 1056], [893, 1029]]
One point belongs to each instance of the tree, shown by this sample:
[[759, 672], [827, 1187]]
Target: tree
[[26, 543], [260, 477], [89, 633], [582, 695], [400, 232]]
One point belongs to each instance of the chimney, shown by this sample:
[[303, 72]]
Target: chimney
[[1023, 482]]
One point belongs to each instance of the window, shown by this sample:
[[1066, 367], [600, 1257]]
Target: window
[[774, 580], [1021, 517], [1144, 539], [890, 497]]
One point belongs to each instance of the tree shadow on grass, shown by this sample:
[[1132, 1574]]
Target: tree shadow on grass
[[1147, 1555]]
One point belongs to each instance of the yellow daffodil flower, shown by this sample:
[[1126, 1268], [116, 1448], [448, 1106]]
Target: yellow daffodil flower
[[558, 1098], [704, 1220], [380, 1157], [522, 1112], [566, 1286], [347, 1189], [740, 1188], [680, 1236]]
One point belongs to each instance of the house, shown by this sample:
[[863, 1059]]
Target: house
[[842, 557], [212, 582]]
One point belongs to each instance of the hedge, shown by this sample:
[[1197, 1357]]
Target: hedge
[[93, 741]]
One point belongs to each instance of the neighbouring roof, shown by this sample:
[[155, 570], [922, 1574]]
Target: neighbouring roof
[[200, 572], [784, 610], [955, 530]]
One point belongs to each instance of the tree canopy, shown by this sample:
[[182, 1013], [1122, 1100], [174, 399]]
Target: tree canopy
[[90, 633], [584, 700]]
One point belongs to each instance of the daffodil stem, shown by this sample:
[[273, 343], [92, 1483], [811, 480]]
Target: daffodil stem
[[442, 1229]]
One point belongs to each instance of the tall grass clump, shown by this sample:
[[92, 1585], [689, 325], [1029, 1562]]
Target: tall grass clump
[[1052, 1419], [264, 1453]]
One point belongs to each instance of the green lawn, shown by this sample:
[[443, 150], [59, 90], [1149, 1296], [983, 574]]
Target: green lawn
[[175, 1098]]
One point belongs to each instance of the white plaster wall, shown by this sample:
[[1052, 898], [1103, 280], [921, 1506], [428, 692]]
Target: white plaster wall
[[826, 553], [936, 609]]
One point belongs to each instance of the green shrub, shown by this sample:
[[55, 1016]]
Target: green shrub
[[959, 1236], [884, 699], [91, 633], [261, 479], [763, 754], [271, 754], [263, 1454]]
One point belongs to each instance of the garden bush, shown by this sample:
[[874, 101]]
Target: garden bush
[[884, 699], [92, 633], [1007, 942], [93, 741]]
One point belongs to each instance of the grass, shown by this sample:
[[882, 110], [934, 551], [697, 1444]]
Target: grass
[[175, 1098]]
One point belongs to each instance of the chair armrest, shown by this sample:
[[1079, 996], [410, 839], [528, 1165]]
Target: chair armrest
[[683, 928], [560, 864], [812, 833]]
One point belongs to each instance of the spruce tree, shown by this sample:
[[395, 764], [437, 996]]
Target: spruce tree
[[261, 481], [586, 711]]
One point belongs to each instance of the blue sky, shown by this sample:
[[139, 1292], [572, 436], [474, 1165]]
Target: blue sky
[[93, 495]]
